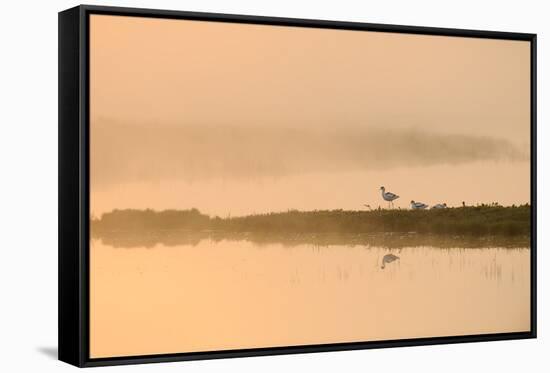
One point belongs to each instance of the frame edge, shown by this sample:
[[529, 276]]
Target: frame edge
[[533, 139], [304, 22], [69, 145]]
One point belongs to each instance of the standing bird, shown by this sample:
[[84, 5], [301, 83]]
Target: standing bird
[[388, 196], [418, 205], [388, 258], [440, 206]]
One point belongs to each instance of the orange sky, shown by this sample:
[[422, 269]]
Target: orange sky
[[234, 118]]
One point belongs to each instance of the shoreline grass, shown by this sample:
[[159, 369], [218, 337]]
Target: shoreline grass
[[481, 223]]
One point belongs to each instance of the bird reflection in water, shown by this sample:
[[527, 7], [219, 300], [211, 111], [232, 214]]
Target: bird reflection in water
[[388, 258]]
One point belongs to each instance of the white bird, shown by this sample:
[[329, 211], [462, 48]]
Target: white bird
[[388, 258], [388, 196], [440, 206], [418, 205]]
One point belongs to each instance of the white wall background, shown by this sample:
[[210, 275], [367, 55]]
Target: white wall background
[[28, 189]]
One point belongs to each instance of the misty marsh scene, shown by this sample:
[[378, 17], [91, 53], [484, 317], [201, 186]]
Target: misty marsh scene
[[295, 186]]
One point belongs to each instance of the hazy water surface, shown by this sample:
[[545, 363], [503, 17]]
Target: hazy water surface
[[230, 294]]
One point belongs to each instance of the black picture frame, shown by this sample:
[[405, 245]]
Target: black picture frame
[[74, 230]]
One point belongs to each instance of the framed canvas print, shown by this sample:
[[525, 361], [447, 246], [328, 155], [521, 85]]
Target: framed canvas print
[[238, 185]]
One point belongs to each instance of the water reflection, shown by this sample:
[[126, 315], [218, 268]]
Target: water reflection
[[212, 294], [388, 258], [174, 237]]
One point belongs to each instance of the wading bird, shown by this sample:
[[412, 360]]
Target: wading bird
[[418, 205], [388, 258], [388, 196], [440, 206]]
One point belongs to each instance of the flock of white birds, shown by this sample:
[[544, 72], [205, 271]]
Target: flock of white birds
[[415, 205]]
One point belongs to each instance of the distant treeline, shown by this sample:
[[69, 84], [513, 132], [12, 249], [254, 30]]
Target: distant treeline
[[463, 221]]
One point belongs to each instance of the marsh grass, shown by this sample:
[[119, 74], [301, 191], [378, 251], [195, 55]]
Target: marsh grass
[[479, 220], [465, 226]]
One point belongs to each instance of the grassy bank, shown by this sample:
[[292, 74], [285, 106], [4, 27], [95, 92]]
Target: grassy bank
[[512, 221]]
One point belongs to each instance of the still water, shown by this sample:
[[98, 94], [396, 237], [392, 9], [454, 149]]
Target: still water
[[232, 294]]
